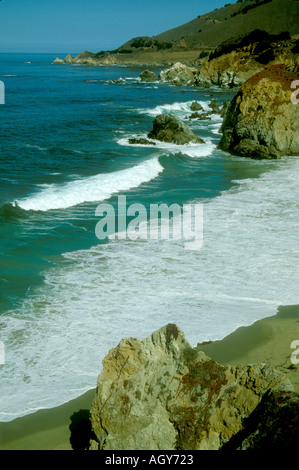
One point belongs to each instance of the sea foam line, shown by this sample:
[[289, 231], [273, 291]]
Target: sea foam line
[[91, 189], [247, 267], [192, 150]]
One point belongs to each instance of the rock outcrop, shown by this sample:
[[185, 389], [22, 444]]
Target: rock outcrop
[[161, 394], [69, 59], [262, 121], [179, 74], [228, 71], [58, 61], [169, 128], [235, 61], [148, 76], [195, 106]]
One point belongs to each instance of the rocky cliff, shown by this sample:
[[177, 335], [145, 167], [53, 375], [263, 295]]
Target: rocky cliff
[[262, 121], [161, 394]]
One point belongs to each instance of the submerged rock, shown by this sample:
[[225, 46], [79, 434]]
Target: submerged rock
[[148, 76], [200, 117], [141, 141], [117, 80], [196, 106], [160, 394], [169, 128], [262, 121]]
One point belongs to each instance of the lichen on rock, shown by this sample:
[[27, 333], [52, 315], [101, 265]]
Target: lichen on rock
[[159, 393]]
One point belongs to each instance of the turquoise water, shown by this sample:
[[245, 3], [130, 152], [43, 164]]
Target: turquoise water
[[66, 297]]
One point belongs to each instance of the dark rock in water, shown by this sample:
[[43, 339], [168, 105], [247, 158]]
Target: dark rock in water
[[196, 106], [200, 117], [169, 128], [214, 106], [262, 121], [141, 141], [148, 76]]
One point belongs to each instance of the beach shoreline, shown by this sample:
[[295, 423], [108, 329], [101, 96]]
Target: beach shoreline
[[267, 340]]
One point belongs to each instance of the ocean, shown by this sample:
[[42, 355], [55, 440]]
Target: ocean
[[67, 297]]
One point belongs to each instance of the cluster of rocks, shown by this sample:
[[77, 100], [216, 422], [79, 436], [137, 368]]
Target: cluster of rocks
[[260, 122], [201, 115], [161, 394]]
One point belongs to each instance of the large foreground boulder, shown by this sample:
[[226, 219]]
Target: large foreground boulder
[[262, 121], [170, 128], [160, 394]]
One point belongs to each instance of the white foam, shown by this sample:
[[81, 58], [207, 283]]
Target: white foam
[[247, 267], [91, 189], [192, 150], [174, 108]]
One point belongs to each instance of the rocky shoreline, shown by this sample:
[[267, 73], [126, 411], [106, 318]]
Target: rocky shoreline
[[259, 351], [161, 394], [228, 66], [262, 120]]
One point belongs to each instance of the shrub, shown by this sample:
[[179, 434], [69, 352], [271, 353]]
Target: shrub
[[203, 54], [138, 42]]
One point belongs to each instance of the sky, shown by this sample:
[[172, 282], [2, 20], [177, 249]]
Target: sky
[[64, 26]]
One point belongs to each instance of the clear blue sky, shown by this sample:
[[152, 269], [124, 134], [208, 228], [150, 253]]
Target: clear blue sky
[[75, 25]]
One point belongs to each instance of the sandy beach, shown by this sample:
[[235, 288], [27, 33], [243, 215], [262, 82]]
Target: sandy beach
[[267, 340]]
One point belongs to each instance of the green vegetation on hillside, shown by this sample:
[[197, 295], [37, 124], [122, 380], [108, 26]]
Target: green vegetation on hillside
[[249, 7]]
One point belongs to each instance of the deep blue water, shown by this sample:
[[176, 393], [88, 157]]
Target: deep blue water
[[64, 150]]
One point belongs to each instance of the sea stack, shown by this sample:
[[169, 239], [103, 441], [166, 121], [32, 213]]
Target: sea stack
[[169, 128]]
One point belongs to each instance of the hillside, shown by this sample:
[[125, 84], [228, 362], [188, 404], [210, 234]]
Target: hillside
[[210, 30], [191, 43]]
